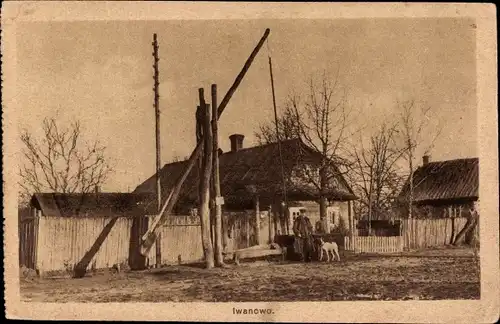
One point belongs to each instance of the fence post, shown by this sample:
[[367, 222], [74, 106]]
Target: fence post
[[40, 243], [247, 230], [257, 219], [271, 224]]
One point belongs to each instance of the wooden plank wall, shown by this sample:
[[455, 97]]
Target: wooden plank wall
[[425, 233], [63, 241], [28, 243], [181, 236]]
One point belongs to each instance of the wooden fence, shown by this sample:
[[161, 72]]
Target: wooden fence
[[180, 241], [374, 244], [28, 235], [415, 234], [59, 243], [63, 241], [424, 233]]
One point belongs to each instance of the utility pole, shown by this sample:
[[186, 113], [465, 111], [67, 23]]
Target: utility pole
[[158, 146], [284, 203], [157, 117]]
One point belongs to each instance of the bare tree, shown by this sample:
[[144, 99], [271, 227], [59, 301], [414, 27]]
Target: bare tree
[[60, 162], [323, 122], [287, 128], [415, 134], [375, 173]]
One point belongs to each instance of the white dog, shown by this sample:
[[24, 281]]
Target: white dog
[[328, 247]]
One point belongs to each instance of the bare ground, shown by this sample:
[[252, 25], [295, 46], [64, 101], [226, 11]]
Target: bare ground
[[424, 275]]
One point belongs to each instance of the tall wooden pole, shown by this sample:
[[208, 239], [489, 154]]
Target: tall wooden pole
[[150, 236], [157, 117], [217, 203], [278, 138], [158, 146], [205, 184]]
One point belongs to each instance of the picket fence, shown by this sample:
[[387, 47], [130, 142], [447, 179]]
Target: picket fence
[[374, 244], [415, 234]]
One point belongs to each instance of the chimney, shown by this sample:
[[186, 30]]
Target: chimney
[[425, 159], [236, 142], [97, 189]]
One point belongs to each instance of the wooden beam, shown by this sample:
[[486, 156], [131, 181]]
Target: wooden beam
[[150, 236], [205, 185], [216, 203]]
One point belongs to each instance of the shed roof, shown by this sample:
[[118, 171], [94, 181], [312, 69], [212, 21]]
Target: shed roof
[[255, 169], [94, 204], [445, 180]]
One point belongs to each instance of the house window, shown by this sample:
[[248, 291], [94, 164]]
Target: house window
[[333, 214], [294, 212]]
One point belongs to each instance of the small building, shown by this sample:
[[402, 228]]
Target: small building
[[442, 189], [254, 174], [61, 229]]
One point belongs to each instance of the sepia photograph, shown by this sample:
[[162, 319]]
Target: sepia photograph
[[250, 159]]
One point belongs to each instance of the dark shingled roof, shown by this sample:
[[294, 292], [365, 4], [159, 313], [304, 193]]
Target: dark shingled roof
[[94, 204], [256, 168], [445, 180]]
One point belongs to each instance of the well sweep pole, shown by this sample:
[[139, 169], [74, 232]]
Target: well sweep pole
[[150, 236]]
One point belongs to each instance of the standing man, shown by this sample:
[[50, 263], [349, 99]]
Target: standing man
[[303, 231]]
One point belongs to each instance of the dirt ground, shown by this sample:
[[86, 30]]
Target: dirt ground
[[423, 275]]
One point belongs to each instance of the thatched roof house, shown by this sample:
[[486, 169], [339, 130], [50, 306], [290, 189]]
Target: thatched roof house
[[445, 182], [443, 187], [245, 172]]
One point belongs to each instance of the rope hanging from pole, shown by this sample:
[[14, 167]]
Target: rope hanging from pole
[[278, 137]]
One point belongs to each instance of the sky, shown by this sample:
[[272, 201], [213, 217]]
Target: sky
[[100, 73]]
